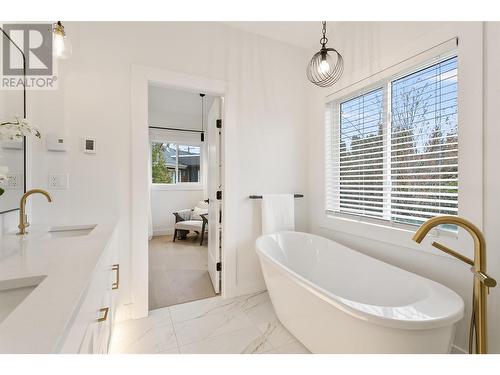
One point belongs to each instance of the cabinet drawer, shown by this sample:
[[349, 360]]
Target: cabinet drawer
[[86, 332], [102, 337], [88, 343], [84, 328]]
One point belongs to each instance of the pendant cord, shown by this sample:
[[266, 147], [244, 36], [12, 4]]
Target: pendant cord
[[202, 108], [202, 136]]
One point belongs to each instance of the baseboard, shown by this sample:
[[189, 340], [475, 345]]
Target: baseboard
[[163, 232], [458, 350]]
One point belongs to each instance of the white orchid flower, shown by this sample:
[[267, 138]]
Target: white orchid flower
[[16, 130]]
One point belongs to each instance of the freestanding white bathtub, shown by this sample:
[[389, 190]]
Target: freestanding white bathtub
[[336, 300]]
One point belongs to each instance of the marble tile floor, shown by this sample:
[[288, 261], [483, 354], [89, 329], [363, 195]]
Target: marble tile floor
[[242, 325], [177, 271]]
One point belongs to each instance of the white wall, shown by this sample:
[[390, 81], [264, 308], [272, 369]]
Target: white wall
[[491, 155], [165, 202], [176, 108], [267, 81], [370, 47]]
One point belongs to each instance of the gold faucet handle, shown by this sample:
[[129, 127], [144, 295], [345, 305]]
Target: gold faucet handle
[[488, 281], [452, 252]]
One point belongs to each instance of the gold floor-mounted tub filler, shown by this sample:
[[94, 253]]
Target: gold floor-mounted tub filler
[[482, 282]]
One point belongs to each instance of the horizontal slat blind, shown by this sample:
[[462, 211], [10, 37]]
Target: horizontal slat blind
[[424, 138], [361, 161], [392, 152]]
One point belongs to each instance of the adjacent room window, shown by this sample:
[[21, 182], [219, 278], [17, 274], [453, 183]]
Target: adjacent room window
[[392, 150], [175, 163]]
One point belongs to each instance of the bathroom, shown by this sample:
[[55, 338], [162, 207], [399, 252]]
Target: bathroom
[[275, 140]]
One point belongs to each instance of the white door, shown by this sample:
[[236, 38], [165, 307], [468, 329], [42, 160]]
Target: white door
[[214, 182]]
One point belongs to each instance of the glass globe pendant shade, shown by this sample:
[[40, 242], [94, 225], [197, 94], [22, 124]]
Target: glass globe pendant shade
[[61, 45]]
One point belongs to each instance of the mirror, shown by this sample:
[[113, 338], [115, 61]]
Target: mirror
[[12, 152]]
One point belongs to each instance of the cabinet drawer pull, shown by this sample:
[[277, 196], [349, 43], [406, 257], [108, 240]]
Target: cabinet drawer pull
[[104, 310], [116, 284]]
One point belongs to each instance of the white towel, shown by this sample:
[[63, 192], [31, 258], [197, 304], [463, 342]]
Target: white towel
[[277, 213]]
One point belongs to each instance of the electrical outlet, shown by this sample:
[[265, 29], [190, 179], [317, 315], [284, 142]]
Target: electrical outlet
[[14, 181], [58, 181]]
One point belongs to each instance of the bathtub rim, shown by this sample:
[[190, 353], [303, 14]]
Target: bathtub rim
[[336, 301]]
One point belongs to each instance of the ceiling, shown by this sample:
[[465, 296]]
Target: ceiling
[[304, 34]]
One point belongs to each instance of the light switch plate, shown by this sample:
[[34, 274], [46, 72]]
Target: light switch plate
[[58, 181]]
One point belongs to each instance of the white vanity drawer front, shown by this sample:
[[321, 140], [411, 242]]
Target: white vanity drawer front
[[85, 326], [102, 337], [88, 343]]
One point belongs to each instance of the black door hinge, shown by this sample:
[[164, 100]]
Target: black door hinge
[[219, 266], [218, 123], [207, 201], [219, 194]]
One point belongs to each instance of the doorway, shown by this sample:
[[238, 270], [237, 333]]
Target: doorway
[[185, 226], [135, 302]]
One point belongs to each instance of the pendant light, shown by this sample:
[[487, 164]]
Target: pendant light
[[60, 43], [326, 66], [202, 131]]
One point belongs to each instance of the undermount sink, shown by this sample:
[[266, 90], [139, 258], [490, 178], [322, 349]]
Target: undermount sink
[[14, 291], [70, 231], [60, 231]]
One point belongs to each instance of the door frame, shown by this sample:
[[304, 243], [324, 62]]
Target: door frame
[[141, 76], [214, 135]]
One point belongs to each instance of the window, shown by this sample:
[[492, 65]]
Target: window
[[392, 151], [175, 163]]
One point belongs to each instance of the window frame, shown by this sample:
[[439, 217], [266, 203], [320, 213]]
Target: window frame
[[180, 185], [385, 85], [470, 161]]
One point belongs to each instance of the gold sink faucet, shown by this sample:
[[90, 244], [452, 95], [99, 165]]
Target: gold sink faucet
[[482, 282], [23, 218]]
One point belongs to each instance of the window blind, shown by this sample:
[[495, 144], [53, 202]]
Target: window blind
[[392, 151]]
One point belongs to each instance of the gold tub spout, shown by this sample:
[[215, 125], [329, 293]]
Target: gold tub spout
[[23, 218], [482, 282]]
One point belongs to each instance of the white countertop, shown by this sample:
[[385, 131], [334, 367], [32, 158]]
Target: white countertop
[[39, 322]]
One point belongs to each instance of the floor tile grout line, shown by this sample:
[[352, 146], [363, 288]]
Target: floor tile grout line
[[220, 334], [262, 335], [209, 311], [246, 312], [227, 302], [173, 329], [216, 336], [193, 301], [262, 326], [276, 320]]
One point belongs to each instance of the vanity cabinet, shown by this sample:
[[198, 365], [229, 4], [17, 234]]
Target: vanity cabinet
[[90, 330]]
